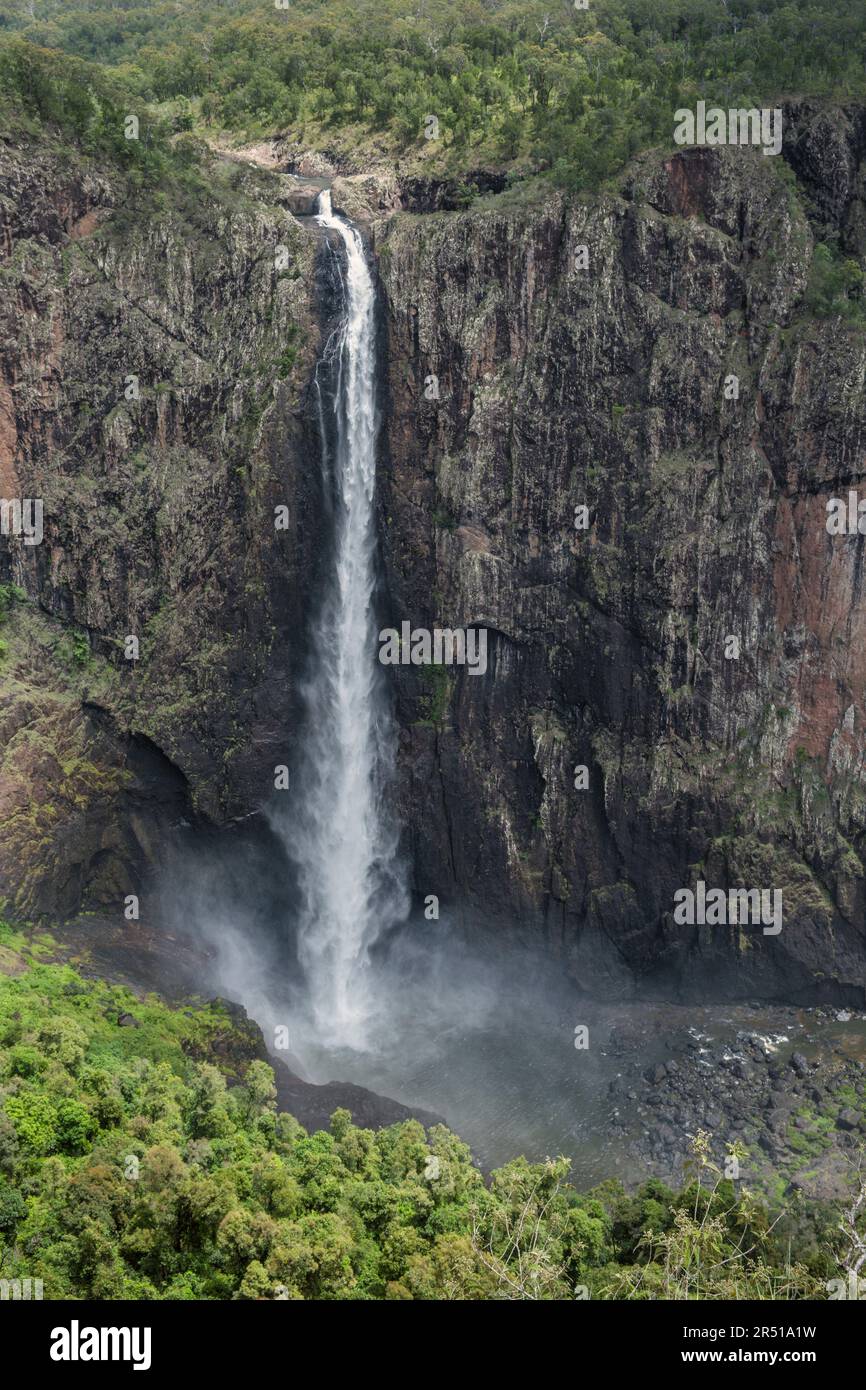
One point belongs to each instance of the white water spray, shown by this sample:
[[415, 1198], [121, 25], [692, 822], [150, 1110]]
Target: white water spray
[[343, 839]]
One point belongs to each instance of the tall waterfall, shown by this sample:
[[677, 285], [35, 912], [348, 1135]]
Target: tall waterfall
[[343, 838]]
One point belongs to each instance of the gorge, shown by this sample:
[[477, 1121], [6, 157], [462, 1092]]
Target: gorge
[[559, 387]]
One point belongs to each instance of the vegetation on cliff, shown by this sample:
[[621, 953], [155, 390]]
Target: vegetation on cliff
[[142, 1156]]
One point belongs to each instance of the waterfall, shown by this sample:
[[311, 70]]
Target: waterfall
[[343, 838]]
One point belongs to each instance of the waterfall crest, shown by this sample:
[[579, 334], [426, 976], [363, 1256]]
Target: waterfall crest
[[343, 838]]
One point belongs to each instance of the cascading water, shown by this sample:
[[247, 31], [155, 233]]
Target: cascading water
[[343, 839]]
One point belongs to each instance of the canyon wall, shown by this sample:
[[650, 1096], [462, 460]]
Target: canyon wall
[[158, 352], [521, 386], [558, 385]]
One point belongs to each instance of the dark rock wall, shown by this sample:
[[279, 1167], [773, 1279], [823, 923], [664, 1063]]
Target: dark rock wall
[[159, 513], [605, 387]]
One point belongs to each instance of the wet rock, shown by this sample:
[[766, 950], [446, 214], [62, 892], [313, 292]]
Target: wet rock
[[301, 198], [778, 1121]]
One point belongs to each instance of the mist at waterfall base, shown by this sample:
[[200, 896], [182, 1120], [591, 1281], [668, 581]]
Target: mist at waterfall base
[[479, 1032], [314, 934]]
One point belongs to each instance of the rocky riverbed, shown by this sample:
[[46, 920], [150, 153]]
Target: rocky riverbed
[[789, 1084]]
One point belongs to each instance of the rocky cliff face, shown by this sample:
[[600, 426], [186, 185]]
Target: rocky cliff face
[[564, 379], [740, 762], [157, 355]]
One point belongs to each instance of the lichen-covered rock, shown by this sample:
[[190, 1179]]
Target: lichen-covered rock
[[363, 197]]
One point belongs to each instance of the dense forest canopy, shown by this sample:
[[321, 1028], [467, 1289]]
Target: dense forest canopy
[[132, 1166], [536, 82]]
